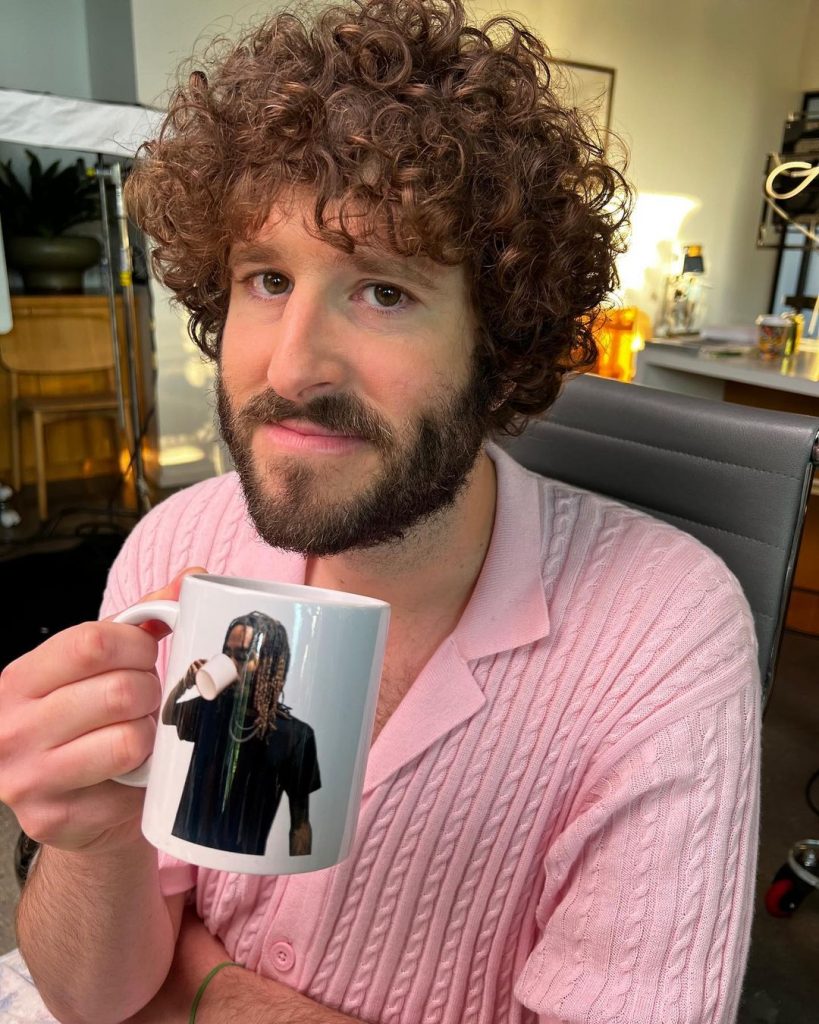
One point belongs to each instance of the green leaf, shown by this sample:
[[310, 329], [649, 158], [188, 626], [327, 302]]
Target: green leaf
[[56, 199]]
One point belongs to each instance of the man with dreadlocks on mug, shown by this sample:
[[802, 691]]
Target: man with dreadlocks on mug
[[231, 795]]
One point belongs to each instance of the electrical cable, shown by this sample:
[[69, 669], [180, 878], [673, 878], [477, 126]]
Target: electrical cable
[[808, 795], [123, 474]]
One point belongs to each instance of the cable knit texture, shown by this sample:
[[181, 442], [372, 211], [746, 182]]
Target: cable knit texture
[[559, 821]]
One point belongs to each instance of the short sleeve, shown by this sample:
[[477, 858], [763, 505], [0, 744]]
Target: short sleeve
[[175, 876], [646, 908], [303, 776]]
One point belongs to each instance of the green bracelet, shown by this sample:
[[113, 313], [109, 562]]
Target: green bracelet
[[208, 978]]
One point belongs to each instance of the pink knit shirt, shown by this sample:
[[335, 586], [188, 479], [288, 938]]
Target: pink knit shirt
[[560, 818]]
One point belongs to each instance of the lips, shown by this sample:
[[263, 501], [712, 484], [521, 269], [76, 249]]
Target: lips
[[309, 438], [311, 429]]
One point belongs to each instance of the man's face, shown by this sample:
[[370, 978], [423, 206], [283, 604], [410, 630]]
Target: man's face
[[348, 394], [237, 646]]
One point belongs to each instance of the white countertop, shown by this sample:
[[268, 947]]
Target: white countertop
[[797, 374]]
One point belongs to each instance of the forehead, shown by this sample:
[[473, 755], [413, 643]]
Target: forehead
[[240, 635]]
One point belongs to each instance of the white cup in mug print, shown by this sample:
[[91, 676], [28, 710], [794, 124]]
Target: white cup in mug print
[[216, 675], [265, 723]]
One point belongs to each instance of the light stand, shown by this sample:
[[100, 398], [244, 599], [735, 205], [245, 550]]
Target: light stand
[[130, 425]]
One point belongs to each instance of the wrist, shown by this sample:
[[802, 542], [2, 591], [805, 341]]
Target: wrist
[[239, 994], [128, 850], [206, 981]]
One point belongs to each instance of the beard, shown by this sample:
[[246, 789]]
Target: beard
[[421, 473]]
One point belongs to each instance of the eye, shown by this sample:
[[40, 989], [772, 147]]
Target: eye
[[386, 295], [269, 282], [274, 283]]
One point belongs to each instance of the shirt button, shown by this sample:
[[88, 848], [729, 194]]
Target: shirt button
[[282, 956]]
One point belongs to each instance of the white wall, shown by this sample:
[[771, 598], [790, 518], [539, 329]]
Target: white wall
[[809, 69], [110, 50], [44, 47], [167, 31]]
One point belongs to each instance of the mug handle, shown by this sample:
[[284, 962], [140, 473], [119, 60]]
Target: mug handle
[[162, 611]]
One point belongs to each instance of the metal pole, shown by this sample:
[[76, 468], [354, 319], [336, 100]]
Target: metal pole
[[108, 278], [126, 281]]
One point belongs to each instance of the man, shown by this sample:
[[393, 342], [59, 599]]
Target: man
[[394, 241], [247, 748]]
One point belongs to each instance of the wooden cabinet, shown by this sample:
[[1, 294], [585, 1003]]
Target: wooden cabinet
[[82, 446]]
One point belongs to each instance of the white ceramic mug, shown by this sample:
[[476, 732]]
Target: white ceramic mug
[[265, 723]]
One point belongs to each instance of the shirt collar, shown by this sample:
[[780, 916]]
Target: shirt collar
[[508, 607]]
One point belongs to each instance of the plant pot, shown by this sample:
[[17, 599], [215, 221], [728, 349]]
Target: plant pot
[[51, 265]]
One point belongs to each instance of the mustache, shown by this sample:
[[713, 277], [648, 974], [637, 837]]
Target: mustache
[[341, 413]]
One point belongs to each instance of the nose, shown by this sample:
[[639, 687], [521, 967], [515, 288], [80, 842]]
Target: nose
[[306, 357]]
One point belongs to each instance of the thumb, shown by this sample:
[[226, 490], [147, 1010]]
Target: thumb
[[170, 592]]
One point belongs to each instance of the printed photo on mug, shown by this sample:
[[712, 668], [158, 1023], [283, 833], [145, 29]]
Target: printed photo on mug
[[249, 750], [265, 723]]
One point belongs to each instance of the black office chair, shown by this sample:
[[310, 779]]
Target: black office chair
[[736, 478]]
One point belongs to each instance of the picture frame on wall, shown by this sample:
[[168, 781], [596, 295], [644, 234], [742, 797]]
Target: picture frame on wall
[[590, 88]]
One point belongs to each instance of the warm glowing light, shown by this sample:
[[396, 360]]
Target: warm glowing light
[[180, 455], [620, 334], [655, 246]]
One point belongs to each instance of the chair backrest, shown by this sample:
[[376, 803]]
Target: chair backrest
[[68, 338], [736, 478]]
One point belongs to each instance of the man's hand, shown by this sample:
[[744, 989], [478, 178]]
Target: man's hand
[[187, 682], [301, 832], [74, 713], [190, 675]]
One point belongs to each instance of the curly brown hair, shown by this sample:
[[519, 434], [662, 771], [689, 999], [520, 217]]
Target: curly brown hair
[[451, 140]]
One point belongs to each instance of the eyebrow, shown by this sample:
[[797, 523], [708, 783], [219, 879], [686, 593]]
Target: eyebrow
[[373, 264]]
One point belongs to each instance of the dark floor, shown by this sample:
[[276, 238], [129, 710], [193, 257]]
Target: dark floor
[[782, 984]]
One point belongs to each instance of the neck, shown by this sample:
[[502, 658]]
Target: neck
[[432, 571]]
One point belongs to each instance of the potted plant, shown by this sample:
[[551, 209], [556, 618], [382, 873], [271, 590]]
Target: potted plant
[[36, 218]]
